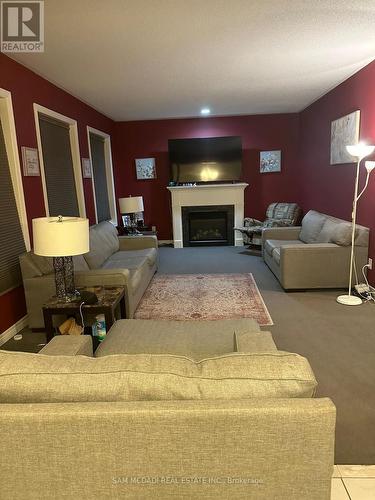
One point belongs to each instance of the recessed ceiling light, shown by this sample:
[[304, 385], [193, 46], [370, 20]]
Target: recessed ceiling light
[[205, 111]]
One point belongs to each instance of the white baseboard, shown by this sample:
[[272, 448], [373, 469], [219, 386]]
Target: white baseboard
[[17, 327]]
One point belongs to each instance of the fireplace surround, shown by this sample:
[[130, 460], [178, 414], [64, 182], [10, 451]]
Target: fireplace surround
[[207, 195]]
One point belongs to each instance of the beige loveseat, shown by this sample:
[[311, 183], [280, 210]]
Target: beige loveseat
[[315, 255], [128, 261], [239, 424]]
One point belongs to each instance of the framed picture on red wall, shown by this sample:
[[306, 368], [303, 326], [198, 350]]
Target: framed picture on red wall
[[145, 168], [270, 161], [30, 161], [86, 168]]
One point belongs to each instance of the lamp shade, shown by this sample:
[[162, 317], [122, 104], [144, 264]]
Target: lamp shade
[[60, 236], [370, 165], [131, 205], [360, 150]]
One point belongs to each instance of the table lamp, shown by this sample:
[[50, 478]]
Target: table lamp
[[62, 238], [131, 206]]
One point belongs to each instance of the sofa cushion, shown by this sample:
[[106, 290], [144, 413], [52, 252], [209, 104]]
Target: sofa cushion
[[335, 231], [312, 224], [36, 378], [109, 236], [327, 231], [270, 245], [124, 262], [342, 235], [97, 255], [127, 255], [195, 339], [103, 243], [80, 263], [44, 264]]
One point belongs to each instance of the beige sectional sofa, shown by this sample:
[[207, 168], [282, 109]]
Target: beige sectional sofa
[[128, 261], [130, 423], [316, 254]]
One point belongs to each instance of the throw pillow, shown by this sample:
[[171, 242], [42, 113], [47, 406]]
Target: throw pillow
[[312, 224], [342, 235]]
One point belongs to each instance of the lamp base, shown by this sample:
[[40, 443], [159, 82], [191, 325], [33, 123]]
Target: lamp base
[[349, 300], [64, 279]]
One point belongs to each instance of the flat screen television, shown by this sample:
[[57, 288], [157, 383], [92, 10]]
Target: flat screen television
[[212, 159]]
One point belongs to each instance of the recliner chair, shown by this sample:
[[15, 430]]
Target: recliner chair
[[277, 215]]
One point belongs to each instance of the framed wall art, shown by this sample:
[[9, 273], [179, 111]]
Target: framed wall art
[[344, 132], [270, 161], [86, 168], [145, 168], [30, 161]]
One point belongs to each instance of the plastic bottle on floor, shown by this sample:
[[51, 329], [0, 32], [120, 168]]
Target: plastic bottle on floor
[[99, 327]]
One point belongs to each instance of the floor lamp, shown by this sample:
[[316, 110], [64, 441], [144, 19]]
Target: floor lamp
[[61, 238], [360, 151]]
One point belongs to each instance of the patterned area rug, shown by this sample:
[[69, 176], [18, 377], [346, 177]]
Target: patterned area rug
[[203, 297]]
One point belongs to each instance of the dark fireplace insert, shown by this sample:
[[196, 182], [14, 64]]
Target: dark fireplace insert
[[208, 225]]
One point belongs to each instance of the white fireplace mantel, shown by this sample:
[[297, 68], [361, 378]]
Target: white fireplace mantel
[[207, 194]]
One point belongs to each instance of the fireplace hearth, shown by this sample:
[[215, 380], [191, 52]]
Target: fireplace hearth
[[208, 225]]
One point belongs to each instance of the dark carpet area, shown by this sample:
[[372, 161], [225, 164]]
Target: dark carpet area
[[338, 341]]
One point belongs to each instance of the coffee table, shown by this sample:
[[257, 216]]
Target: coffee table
[[110, 300]]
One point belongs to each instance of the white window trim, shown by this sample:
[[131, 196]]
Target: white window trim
[[76, 158], [108, 170], [10, 136]]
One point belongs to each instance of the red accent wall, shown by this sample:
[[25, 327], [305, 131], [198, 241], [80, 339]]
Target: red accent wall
[[303, 138], [330, 188], [28, 88], [143, 139]]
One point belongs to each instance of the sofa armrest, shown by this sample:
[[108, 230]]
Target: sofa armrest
[[281, 233], [137, 242], [312, 249], [102, 277], [314, 265], [254, 342], [69, 345]]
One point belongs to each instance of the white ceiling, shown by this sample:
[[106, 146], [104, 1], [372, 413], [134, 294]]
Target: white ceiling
[[148, 59]]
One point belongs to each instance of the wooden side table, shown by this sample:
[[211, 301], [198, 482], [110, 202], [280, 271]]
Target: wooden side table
[[109, 300]]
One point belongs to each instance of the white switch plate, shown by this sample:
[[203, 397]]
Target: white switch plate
[[370, 263]]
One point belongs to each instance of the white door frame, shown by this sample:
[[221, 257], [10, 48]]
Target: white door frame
[[10, 137], [76, 158], [108, 171]]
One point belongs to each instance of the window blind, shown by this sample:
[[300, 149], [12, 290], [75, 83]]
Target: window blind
[[97, 148], [58, 167], [12, 243]]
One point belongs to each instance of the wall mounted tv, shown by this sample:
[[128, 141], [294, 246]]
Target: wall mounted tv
[[212, 159]]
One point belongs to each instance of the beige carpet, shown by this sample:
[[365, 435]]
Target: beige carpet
[[203, 297]]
